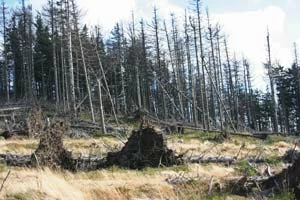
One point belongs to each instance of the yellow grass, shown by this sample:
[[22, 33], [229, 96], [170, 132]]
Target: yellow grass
[[116, 183]]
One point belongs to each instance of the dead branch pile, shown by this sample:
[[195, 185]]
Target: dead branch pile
[[51, 151], [144, 148]]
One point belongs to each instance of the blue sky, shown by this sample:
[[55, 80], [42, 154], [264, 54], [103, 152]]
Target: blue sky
[[244, 23]]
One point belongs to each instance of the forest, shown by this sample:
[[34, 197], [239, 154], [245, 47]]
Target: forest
[[177, 75], [175, 72]]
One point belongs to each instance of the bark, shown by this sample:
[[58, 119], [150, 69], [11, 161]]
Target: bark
[[70, 60], [270, 73], [190, 74], [54, 55], [206, 110], [101, 107], [87, 82]]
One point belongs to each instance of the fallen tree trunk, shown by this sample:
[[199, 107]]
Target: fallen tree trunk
[[18, 160], [222, 159]]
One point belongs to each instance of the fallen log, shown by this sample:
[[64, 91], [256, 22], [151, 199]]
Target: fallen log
[[18, 160], [89, 163], [10, 109], [222, 159]]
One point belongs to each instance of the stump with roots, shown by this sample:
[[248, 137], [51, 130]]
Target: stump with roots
[[287, 180], [144, 148], [51, 152]]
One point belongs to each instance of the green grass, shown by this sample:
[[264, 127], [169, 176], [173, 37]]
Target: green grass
[[271, 139], [244, 168], [274, 160], [153, 171], [19, 196], [283, 196], [3, 167], [195, 135]]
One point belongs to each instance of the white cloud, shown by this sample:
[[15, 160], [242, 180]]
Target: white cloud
[[247, 34], [109, 12], [106, 12]]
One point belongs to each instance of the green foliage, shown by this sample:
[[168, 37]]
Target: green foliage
[[283, 196], [243, 167], [273, 160], [271, 139]]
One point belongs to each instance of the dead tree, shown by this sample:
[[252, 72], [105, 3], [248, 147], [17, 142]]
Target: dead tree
[[271, 77], [70, 59], [5, 69], [199, 77], [158, 59], [206, 110], [190, 74], [87, 82], [210, 31]]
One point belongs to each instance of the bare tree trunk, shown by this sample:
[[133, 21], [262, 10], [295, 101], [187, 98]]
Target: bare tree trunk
[[230, 89], [215, 70], [202, 117], [158, 59], [173, 68], [84, 63], [298, 85], [6, 69], [190, 72], [107, 88], [270, 73], [70, 61], [31, 69], [101, 107], [176, 63], [122, 69], [137, 74], [206, 110], [54, 55]]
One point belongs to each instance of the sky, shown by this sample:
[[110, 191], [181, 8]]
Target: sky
[[244, 22]]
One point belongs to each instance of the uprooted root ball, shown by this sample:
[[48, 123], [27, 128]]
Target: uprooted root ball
[[51, 151], [144, 148]]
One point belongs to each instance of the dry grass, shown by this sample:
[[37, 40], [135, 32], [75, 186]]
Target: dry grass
[[115, 183]]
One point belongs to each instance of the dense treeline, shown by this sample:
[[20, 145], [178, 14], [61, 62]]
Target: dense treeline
[[173, 69]]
